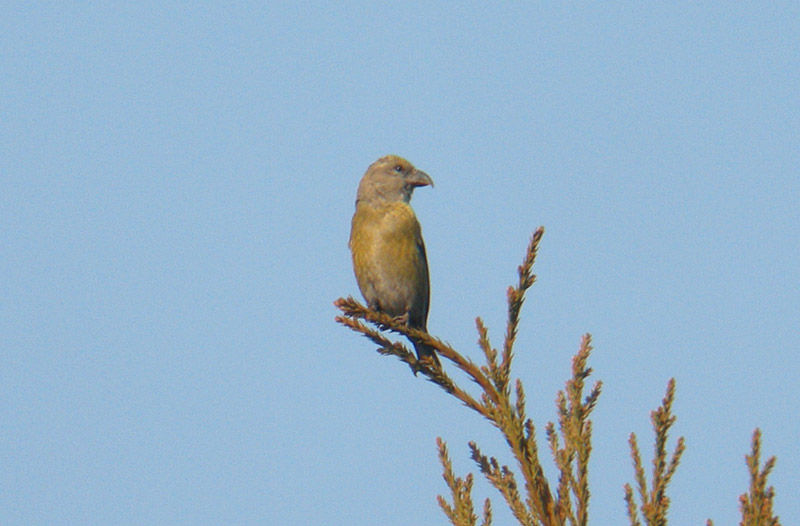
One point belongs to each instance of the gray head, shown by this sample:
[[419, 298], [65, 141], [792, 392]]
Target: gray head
[[390, 179]]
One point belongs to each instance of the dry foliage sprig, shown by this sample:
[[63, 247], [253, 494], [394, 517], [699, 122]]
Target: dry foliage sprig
[[531, 500], [655, 503], [756, 504], [461, 512], [572, 451]]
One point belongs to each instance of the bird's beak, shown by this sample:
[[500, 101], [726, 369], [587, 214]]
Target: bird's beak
[[420, 178]]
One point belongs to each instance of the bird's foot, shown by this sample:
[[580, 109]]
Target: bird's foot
[[401, 320]]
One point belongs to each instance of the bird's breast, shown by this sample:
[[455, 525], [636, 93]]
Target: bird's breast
[[388, 257]]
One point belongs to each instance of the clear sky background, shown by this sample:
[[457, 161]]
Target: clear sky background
[[176, 187]]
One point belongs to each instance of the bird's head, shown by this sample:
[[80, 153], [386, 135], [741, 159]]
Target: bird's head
[[389, 179]]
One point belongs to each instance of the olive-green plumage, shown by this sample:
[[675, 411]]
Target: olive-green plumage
[[386, 242]]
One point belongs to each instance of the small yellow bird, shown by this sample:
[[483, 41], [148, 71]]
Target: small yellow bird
[[386, 242]]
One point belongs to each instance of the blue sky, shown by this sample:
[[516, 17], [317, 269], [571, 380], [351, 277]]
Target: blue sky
[[177, 186]]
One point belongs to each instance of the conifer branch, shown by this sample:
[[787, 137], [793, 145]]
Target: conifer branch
[[756, 504], [655, 503], [528, 493]]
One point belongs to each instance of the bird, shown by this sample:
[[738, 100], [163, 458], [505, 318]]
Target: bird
[[386, 243]]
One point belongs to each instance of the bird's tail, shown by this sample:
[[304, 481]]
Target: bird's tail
[[426, 352]]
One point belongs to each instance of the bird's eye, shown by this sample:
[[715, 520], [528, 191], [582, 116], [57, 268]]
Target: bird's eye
[[398, 169]]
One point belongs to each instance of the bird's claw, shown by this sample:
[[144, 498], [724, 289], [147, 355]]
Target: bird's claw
[[401, 320]]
